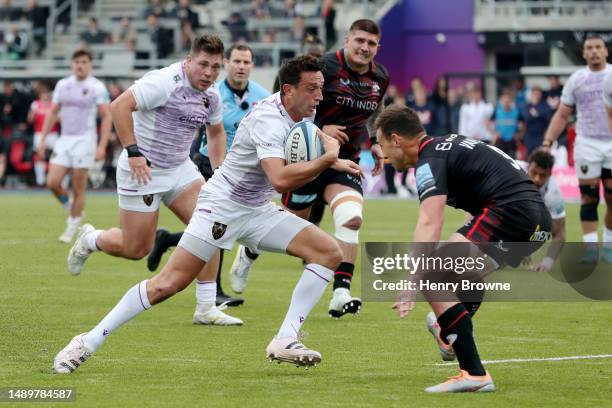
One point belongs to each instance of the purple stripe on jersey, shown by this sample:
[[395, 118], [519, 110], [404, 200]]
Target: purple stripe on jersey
[[206, 210], [308, 269], [176, 123], [128, 189], [252, 190]]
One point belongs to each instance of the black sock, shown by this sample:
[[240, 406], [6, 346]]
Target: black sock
[[316, 213], [219, 288], [344, 275], [456, 322], [172, 240], [250, 254], [472, 307]]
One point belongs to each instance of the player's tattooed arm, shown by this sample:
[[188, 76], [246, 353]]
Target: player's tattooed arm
[[370, 123], [377, 153]]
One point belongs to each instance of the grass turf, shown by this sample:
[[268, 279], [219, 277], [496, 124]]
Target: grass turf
[[374, 359]]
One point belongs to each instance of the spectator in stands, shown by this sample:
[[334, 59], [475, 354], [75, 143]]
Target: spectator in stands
[[454, 110], [236, 25], [439, 98], [155, 8], [38, 16], [508, 124], [415, 83], [424, 109], [328, 13], [313, 46], [553, 95], [392, 92], [94, 35], [15, 106], [260, 9], [125, 34], [298, 31], [537, 115], [189, 22], [521, 93], [10, 13], [474, 116], [16, 41], [160, 37]]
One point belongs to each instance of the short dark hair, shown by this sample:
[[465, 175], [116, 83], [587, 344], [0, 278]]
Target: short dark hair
[[291, 71], [239, 47], [210, 44], [542, 159], [401, 120], [593, 36], [366, 25], [81, 53]]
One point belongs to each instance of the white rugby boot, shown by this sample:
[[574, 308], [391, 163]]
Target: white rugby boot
[[72, 356], [291, 350], [80, 251]]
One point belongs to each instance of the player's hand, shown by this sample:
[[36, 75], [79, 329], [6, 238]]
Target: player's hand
[[141, 172], [336, 131], [100, 153], [543, 266], [404, 304], [379, 159], [347, 166], [330, 145]]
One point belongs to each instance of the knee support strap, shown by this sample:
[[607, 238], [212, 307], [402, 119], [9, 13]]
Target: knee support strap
[[346, 206]]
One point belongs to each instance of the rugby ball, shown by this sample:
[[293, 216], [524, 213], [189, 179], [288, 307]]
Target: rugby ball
[[303, 143]]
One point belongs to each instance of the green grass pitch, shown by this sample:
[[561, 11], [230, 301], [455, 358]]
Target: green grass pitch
[[375, 359]]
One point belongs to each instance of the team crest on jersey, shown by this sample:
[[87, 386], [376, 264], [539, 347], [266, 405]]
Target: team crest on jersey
[[584, 169], [148, 199], [218, 230], [345, 82], [177, 78], [206, 102], [376, 87]]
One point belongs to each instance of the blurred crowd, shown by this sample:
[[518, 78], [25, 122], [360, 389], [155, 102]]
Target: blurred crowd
[[515, 122]]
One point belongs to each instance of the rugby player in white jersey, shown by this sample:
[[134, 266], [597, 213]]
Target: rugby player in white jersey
[[593, 147], [235, 205], [608, 98], [76, 102], [156, 120]]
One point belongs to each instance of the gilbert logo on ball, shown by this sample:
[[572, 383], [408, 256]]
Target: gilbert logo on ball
[[303, 143]]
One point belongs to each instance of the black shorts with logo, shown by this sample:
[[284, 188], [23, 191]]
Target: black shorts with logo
[[510, 232], [306, 195]]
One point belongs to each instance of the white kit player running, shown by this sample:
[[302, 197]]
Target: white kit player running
[[156, 120], [235, 205], [76, 102], [593, 147]]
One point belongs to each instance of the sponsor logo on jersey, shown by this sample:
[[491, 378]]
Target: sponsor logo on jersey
[[345, 82], [194, 119], [584, 169], [218, 230], [148, 199], [425, 180], [206, 102], [539, 235]]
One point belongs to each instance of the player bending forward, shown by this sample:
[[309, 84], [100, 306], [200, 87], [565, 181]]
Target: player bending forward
[[484, 181], [235, 205]]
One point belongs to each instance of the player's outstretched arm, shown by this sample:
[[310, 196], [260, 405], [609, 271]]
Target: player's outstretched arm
[[431, 219], [216, 140], [50, 121], [557, 124], [121, 110]]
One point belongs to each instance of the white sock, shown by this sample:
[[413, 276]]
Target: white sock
[[306, 294], [91, 240], [607, 237], [206, 294], [131, 304], [590, 237], [74, 220]]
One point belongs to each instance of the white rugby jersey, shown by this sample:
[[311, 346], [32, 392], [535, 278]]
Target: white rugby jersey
[[551, 194], [261, 134], [607, 92], [170, 112], [79, 102], [584, 90]]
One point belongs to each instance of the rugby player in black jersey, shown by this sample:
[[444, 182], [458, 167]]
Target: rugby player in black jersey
[[507, 210], [352, 96]]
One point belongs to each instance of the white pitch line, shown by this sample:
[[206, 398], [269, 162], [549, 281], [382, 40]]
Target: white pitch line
[[529, 360]]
